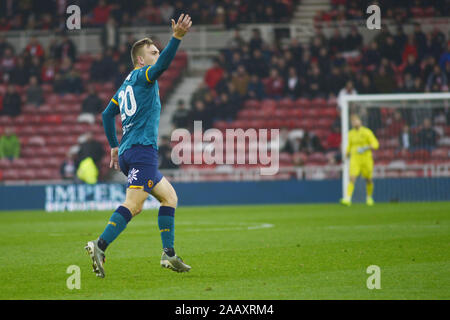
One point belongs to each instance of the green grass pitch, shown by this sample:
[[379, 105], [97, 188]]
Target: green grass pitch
[[236, 252]]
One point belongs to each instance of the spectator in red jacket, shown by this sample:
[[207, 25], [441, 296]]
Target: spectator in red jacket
[[34, 48], [48, 71], [410, 48], [101, 13], [274, 85], [213, 75], [334, 139]]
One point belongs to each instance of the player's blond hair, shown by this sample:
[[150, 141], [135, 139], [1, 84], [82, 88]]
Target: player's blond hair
[[137, 46]]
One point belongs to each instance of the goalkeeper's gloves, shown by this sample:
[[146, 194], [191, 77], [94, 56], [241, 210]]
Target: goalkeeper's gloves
[[361, 150]]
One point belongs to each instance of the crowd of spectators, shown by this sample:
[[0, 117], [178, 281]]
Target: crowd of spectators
[[51, 14], [54, 66], [399, 10], [24, 73], [328, 67], [391, 63]]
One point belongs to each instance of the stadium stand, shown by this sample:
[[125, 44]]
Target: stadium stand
[[49, 14], [253, 84], [400, 11], [296, 87], [48, 131]]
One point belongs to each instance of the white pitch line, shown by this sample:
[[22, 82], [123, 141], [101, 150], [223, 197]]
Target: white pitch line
[[238, 226], [261, 226]]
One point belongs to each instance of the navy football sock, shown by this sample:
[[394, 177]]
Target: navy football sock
[[166, 224], [117, 223]]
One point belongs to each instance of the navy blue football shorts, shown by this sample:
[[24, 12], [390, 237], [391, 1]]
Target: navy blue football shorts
[[140, 165]]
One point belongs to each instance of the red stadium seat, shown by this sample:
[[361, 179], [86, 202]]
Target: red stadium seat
[[302, 103], [252, 104], [319, 103], [421, 155], [286, 103], [268, 104], [440, 154], [317, 158]]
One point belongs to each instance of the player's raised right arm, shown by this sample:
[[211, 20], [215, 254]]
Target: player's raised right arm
[[179, 30]]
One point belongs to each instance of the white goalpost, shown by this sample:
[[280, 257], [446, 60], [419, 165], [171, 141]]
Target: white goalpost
[[399, 122]]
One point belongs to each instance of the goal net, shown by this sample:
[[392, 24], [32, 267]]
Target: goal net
[[413, 159]]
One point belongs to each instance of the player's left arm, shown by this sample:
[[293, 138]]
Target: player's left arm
[[179, 30], [109, 125]]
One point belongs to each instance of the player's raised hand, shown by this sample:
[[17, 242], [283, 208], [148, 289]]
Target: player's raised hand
[[182, 26], [114, 158]]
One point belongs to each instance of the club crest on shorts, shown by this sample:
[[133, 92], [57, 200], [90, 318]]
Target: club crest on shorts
[[132, 175], [150, 183]]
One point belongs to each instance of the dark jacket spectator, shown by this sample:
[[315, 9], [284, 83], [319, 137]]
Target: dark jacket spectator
[[335, 81], [255, 88], [400, 38], [412, 67], [256, 41], [390, 51], [224, 110], [200, 113], [384, 82], [20, 74], [258, 64], [35, 94], [336, 43], [4, 45], [366, 86], [92, 103], [437, 81], [427, 136], [73, 82], [91, 148], [164, 153], [311, 143], [372, 57], [315, 83], [12, 104], [103, 67], [420, 39], [66, 49], [180, 118], [354, 40]]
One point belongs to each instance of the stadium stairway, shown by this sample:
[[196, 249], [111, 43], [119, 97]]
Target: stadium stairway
[[183, 91], [304, 15]]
